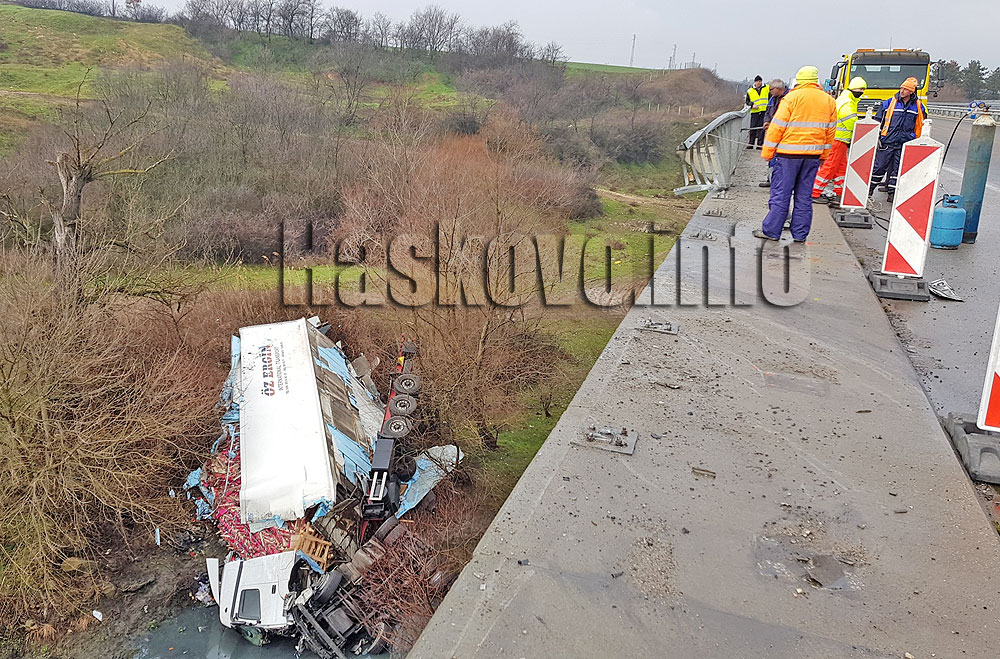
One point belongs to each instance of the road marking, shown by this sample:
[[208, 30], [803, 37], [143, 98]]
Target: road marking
[[989, 186]]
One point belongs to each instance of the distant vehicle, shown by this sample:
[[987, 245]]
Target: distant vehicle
[[883, 70]]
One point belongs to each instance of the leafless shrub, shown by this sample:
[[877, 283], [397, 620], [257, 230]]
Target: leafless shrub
[[95, 426], [402, 589]]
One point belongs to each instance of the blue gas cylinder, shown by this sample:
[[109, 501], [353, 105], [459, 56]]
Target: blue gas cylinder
[[949, 223]]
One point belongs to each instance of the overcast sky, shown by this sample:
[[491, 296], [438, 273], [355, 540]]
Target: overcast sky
[[742, 38]]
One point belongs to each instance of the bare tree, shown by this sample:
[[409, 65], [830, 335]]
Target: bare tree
[[436, 28], [552, 54], [291, 13], [99, 149], [343, 25], [379, 29], [631, 88]]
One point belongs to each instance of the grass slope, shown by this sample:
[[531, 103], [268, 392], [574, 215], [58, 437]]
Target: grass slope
[[585, 67], [49, 52]]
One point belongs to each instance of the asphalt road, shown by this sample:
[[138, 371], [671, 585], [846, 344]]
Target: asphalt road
[[949, 341], [955, 162]]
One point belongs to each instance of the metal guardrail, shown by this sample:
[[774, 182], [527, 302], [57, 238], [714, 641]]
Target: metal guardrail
[[956, 110], [710, 155]]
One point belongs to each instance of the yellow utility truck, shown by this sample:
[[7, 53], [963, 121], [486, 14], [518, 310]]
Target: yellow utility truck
[[883, 70]]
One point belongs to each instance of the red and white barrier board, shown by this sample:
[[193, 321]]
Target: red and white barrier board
[[860, 162], [989, 407], [913, 207]]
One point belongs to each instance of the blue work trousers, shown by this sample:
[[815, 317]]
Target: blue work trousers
[[791, 176]]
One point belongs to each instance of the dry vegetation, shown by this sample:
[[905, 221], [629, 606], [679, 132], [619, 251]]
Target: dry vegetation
[[131, 225]]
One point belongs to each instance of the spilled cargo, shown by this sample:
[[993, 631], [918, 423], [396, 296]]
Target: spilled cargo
[[306, 486]]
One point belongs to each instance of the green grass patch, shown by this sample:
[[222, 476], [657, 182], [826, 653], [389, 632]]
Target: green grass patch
[[624, 228], [646, 179], [589, 67], [582, 334], [49, 52]]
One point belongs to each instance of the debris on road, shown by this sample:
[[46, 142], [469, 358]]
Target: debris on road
[[699, 471], [941, 288], [307, 484]]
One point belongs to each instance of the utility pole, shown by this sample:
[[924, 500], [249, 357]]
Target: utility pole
[[673, 58], [631, 58]]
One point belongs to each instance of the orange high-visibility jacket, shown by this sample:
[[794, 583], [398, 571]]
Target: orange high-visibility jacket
[[805, 124]]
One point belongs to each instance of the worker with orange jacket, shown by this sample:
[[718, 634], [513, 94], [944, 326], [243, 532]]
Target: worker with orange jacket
[[800, 135], [902, 118]]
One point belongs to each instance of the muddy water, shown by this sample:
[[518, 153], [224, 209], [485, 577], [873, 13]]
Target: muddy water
[[197, 633]]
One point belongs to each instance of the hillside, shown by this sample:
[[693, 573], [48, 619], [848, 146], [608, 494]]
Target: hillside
[[48, 52]]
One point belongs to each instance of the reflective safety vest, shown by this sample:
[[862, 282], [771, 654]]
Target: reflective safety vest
[[758, 99], [918, 122], [847, 115], [805, 123]]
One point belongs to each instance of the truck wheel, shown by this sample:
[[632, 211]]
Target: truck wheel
[[407, 383], [402, 404], [396, 427], [388, 525], [325, 588]]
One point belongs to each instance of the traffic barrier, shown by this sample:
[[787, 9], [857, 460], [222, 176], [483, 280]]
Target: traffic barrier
[[989, 406], [910, 222], [709, 156], [860, 162]]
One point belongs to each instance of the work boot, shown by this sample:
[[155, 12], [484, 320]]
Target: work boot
[[758, 233], [889, 197], [765, 184], [821, 200], [750, 146], [883, 188]]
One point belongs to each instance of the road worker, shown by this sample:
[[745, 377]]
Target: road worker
[[800, 135], [777, 90], [902, 118], [757, 100], [835, 166]]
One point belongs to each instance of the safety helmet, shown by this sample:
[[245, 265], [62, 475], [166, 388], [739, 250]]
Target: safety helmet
[[857, 84]]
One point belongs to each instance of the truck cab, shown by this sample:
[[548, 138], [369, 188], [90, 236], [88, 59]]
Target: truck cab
[[884, 71], [252, 593]]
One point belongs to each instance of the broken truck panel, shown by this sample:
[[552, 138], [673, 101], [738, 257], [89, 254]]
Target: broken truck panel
[[285, 462], [253, 592], [308, 423]]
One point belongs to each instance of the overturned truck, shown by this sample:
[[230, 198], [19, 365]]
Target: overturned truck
[[307, 484]]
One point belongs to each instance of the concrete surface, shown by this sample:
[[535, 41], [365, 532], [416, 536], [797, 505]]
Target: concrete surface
[[823, 456]]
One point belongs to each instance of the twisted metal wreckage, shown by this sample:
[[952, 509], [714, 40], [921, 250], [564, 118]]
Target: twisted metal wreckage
[[306, 485]]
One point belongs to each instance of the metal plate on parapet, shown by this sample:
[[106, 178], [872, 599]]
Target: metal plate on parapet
[[899, 288], [861, 219], [607, 439]]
